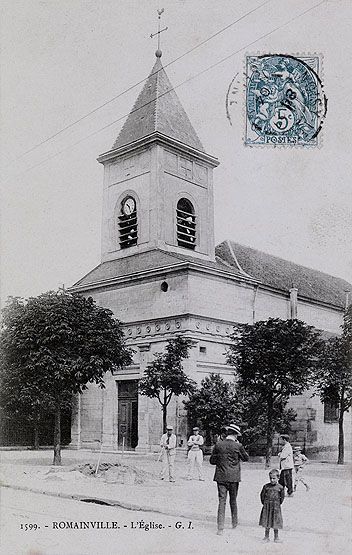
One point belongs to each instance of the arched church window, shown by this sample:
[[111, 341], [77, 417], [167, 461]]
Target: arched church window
[[186, 224], [128, 224]]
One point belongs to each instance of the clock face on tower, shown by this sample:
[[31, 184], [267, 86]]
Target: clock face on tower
[[128, 206]]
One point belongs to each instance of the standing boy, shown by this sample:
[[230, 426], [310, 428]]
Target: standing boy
[[299, 461]]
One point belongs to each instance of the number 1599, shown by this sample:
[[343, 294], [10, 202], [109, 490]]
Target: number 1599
[[25, 527]]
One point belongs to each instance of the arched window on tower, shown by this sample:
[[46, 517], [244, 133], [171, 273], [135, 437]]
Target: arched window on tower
[[186, 224], [128, 224]]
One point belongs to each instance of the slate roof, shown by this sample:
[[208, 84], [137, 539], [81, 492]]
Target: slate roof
[[283, 275], [264, 268], [150, 260], [158, 108]]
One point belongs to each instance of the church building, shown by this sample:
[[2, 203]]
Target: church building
[[162, 276]]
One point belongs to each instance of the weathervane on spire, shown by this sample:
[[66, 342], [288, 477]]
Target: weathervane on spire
[[158, 52]]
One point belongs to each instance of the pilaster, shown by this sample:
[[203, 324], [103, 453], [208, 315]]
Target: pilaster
[[293, 302], [143, 425], [109, 410], [76, 423]]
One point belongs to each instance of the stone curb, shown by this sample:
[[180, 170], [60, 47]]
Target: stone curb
[[112, 503], [133, 507]]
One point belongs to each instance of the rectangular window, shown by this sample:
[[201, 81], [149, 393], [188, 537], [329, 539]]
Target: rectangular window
[[331, 411]]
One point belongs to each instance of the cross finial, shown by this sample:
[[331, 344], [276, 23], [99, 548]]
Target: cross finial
[[158, 52]]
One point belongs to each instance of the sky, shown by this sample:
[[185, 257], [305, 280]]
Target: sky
[[62, 59]]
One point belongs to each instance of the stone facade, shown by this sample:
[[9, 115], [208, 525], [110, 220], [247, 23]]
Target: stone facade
[[159, 289], [203, 308]]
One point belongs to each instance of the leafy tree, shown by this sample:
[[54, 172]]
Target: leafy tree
[[52, 346], [22, 407], [164, 377], [213, 405], [254, 420], [334, 378], [347, 328], [218, 402], [273, 360]]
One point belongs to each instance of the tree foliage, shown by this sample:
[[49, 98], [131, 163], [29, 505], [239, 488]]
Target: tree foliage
[[214, 405], [273, 360], [347, 335], [52, 346], [334, 376], [164, 377], [254, 419], [347, 326]]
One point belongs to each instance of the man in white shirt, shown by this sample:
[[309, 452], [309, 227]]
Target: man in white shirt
[[195, 454], [286, 465], [168, 445]]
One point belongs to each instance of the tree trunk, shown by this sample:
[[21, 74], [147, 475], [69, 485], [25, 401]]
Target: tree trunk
[[36, 434], [164, 412], [269, 436], [57, 437], [341, 455]]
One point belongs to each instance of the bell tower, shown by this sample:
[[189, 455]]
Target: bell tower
[[158, 182], [159, 275]]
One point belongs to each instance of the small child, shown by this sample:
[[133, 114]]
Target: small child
[[299, 461], [272, 496]]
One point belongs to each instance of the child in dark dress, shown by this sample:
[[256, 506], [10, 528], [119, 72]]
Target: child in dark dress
[[272, 496]]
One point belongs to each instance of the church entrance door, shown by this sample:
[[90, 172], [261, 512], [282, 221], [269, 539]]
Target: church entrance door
[[127, 413]]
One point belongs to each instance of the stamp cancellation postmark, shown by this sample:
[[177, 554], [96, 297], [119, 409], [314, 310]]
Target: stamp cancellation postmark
[[285, 100]]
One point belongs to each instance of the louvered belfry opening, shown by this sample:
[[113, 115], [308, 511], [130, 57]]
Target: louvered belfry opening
[[128, 229], [186, 224]]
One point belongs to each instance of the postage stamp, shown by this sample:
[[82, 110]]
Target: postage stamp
[[285, 100]]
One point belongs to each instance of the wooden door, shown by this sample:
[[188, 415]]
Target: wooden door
[[128, 414]]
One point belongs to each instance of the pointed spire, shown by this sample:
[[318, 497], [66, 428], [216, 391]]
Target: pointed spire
[[158, 109]]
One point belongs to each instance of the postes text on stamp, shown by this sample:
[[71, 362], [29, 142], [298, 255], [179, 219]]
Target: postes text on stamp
[[285, 100]]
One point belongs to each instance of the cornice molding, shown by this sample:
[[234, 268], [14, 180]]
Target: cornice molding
[[146, 274], [194, 267], [159, 138], [198, 328]]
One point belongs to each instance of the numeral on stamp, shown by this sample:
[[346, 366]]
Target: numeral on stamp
[[285, 101]]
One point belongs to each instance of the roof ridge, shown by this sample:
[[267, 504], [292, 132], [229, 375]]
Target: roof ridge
[[156, 102], [233, 254]]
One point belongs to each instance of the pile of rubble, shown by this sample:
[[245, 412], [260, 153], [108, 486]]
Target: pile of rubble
[[117, 473]]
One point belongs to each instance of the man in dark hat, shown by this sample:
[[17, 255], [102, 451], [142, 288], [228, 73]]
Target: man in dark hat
[[227, 455]]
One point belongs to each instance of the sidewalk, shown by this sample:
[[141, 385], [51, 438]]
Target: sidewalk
[[324, 513]]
